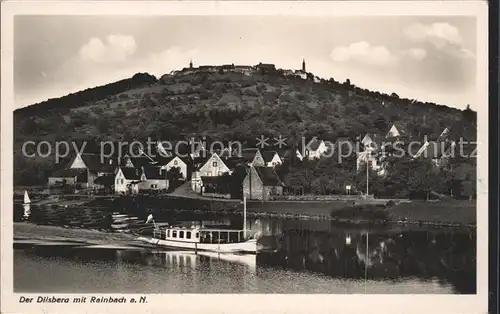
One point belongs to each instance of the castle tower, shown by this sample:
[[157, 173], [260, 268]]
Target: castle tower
[[191, 64], [303, 65]]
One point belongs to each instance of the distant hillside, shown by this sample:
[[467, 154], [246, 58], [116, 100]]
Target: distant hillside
[[230, 103], [82, 98]]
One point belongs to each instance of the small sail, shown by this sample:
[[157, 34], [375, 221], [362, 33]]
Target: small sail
[[26, 198], [150, 218]]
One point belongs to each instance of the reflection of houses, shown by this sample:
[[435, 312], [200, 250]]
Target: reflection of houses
[[271, 158], [153, 179], [262, 183], [83, 170], [127, 180]]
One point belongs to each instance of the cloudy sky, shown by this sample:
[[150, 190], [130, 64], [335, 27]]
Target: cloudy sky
[[426, 58]]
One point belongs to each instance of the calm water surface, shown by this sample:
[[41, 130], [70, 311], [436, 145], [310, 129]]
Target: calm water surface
[[300, 257]]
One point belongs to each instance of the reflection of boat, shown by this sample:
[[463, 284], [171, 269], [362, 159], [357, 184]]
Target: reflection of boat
[[204, 239], [189, 258]]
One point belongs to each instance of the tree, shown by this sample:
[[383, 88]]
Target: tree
[[174, 177], [424, 177]]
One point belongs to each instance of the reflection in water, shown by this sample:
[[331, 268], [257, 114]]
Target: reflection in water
[[297, 257]]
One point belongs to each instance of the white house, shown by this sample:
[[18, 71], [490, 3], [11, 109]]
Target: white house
[[315, 149], [396, 130], [127, 180], [173, 162], [212, 167], [271, 158], [153, 179], [373, 162]]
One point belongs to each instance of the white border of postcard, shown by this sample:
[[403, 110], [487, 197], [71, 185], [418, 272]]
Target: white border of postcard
[[259, 303]]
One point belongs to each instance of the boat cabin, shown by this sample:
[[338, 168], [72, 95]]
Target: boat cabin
[[197, 235]]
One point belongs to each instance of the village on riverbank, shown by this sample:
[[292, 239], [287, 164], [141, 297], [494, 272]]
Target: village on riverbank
[[276, 182]]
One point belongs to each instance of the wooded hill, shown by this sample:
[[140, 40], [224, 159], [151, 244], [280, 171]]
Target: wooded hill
[[224, 106]]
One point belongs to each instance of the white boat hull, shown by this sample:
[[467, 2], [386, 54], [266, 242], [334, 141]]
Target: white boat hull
[[249, 246]]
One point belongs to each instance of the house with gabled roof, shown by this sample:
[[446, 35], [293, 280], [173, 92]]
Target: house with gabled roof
[[209, 167], [397, 130], [272, 158], [252, 156], [153, 178], [127, 180], [262, 183], [315, 148], [174, 162], [83, 169]]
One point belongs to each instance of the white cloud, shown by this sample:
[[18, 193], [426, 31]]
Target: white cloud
[[416, 53], [117, 48], [443, 36], [439, 34], [363, 52]]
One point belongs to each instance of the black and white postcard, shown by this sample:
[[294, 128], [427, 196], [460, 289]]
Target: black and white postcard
[[253, 157]]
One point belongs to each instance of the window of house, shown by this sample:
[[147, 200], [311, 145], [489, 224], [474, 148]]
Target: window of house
[[181, 234], [154, 186], [174, 234], [188, 234], [168, 233], [121, 181], [197, 235], [214, 164], [175, 162]]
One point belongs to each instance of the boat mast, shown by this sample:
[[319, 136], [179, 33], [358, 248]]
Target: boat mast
[[244, 217], [367, 170]]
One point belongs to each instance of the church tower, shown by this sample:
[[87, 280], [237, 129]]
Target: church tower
[[191, 64], [303, 65]]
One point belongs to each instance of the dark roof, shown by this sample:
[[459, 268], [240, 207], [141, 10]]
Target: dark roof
[[233, 162], [105, 180], [268, 176], [68, 173], [154, 173], [139, 162], [266, 65], [269, 155], [98, 163], [131, 173], [249, 154]]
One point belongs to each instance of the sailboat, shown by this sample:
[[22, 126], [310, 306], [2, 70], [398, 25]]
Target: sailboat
[[26, 205], [204, 239]]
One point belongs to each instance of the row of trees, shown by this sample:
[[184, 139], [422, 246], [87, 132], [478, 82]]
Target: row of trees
[[404, 177]]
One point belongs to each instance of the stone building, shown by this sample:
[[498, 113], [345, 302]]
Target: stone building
[[262, 183]]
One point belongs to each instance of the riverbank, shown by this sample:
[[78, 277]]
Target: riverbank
[[446, 213]]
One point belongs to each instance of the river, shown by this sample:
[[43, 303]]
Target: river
[[299, 256]]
